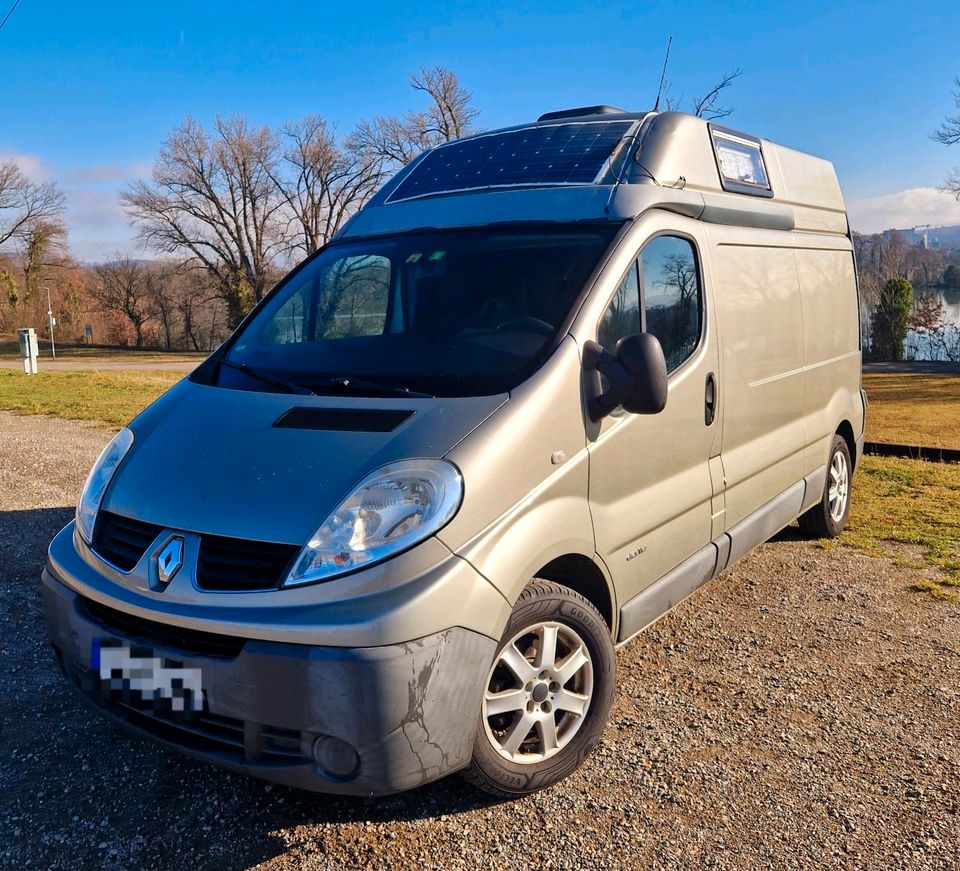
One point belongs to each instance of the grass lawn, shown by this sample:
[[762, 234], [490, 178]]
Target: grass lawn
[[909, 510], [108, 397], [913, 409]]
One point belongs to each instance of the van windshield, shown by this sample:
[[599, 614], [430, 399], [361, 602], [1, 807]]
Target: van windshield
[[451, 313]]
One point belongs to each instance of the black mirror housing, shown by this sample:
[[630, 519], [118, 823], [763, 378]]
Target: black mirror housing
[[636, 372], [642, 356]]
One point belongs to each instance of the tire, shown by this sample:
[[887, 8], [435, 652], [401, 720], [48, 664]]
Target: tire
[[829, 516], [517, 751]]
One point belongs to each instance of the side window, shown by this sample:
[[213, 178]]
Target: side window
[[622, 318], [672, 297], [289, 325]]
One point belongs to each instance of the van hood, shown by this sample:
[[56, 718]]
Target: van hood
[[211, 460]]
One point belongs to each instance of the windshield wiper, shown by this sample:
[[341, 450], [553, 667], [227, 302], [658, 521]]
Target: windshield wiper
[[350, 383], [288, 386]]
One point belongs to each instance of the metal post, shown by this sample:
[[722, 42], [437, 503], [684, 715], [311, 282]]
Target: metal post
[[28, 350], [52, 322]]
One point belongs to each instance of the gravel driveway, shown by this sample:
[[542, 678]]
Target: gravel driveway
[[801, 710]]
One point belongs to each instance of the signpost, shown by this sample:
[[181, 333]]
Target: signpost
[[53, 323]]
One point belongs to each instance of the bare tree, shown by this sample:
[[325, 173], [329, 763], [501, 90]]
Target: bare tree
[[161, 292], [40, 241], [196, 299], [238, 200], [949, 131], [24, 202], [322, 183], [396, 141], [123, 288], [708, 106], [949, 134], [213, 199]]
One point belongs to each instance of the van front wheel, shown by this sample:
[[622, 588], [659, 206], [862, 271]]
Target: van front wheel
[[829, 516], [548, 693]]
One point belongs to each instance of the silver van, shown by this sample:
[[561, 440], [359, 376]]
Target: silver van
[[550, 381]]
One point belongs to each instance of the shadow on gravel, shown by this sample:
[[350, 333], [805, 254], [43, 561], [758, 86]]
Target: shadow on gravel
[[24, 536], [790, 533], [80, 791]]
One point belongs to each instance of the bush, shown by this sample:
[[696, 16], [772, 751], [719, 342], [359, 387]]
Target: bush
[[951, 276], [891, 318]]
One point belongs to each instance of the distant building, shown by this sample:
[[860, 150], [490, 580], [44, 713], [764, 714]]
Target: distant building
[[944, 237]]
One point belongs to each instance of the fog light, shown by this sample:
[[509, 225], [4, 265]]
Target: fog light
[[336, 759]]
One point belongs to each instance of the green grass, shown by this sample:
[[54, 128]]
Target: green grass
[[909, 510], [911, 408], [113, 397]]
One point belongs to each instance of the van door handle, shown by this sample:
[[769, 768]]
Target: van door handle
[[710, 399]]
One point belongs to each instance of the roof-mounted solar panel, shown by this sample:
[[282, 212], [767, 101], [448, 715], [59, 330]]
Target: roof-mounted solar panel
[[550, 155]]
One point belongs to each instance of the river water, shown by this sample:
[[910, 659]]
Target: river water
[[918, 347]]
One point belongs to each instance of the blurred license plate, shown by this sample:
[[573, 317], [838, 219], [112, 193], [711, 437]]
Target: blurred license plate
[[135, 674]]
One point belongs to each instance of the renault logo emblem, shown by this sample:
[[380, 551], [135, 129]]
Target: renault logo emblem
[[170, 559]]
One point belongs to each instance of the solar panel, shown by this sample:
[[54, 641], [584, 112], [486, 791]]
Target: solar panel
[[560, 154]]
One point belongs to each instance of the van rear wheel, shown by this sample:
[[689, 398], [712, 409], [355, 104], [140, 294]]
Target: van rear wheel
[[548, 693], [829, 516]]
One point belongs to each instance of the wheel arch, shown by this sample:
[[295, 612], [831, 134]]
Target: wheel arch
[[582, 575], [845, 431]]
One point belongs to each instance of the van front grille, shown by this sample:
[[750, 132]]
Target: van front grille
[[228, 737], [231, 739], [164, 635], [236, 564], [121, 541], [223, 564]]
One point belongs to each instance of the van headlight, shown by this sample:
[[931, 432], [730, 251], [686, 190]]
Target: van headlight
[[392, 509], [92, 494]]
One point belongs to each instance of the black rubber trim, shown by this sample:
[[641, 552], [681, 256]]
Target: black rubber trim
[[129, 627], [913, 452]]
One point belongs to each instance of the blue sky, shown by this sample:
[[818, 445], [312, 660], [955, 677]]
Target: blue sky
[[90, 90]]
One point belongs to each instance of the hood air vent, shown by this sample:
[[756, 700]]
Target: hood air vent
[[343, 419]]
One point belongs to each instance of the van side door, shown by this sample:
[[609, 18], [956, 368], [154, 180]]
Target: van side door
[[760, 314], [651, 494]]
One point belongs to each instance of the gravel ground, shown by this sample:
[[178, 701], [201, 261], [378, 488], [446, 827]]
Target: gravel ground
[[800, 711]]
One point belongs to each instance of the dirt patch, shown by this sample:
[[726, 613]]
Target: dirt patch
[[801, 710]]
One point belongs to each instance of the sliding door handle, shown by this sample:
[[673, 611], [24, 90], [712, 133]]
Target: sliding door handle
[[710, 399]]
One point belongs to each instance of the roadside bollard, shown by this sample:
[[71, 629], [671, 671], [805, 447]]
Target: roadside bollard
[[28, 350]]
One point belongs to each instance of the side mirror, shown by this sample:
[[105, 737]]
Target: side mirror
[[636, 373]]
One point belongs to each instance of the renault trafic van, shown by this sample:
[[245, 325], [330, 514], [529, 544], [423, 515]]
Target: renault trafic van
[[550, 381]]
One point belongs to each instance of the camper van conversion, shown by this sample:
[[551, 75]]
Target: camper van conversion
[[546, 384]]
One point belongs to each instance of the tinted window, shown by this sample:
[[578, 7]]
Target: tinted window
[[671, 296], [454, 313], [622, 317]]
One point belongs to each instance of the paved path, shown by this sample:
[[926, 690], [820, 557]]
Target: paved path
[[96, 364]]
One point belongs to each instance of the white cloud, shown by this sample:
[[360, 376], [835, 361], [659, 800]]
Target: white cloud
[[97, 224], [34, 168], [110, 173], [909, 208]]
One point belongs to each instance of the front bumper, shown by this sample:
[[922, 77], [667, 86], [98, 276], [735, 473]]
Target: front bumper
[[410, 711]]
